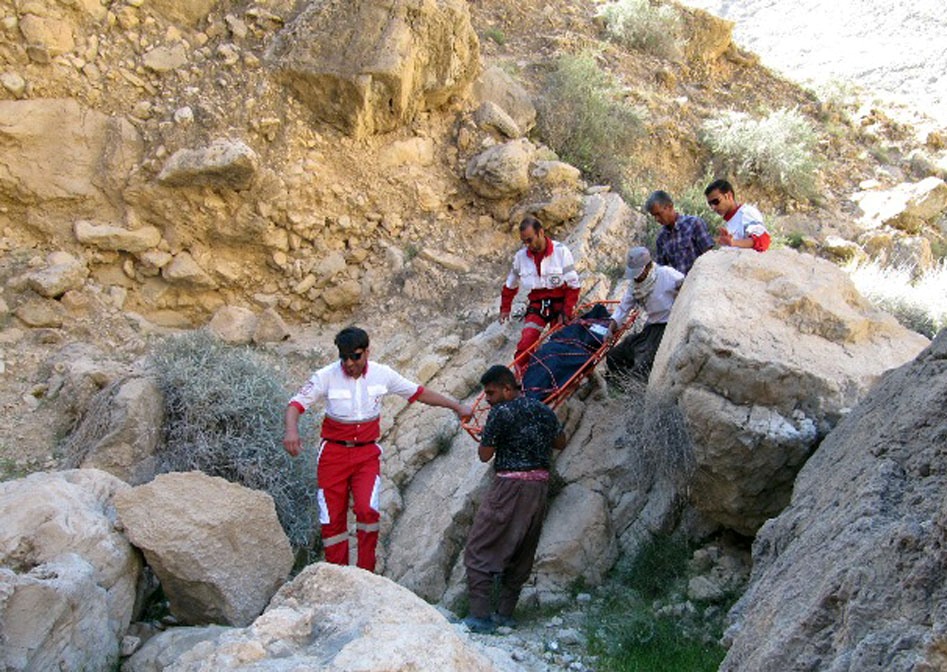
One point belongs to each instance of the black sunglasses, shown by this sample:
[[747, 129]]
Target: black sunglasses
[[713, 201], [354, 356]]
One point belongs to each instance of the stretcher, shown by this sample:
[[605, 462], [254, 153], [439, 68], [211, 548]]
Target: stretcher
[[564, 356]]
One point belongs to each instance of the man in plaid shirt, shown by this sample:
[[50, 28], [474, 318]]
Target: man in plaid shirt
[[683, 238]]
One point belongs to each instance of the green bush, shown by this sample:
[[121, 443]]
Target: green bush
[[639, 24], [692, 201], [582, 118], [225, 412], [777, 150]]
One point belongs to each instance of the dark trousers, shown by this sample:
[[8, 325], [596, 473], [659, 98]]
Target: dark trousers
[[635, 354], [502, 543]]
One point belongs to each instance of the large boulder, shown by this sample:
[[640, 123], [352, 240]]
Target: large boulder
[[121, 430], [764, 354], [853, 574], [67, 575], [216, 547], [64, 161], [501, 171], [369, 66], [909, 206], [329, 618]]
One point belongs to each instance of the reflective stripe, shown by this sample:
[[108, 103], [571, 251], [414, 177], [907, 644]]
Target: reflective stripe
[[337, 539], [323, 508], [367, 527], [531, 325], [376, 490]]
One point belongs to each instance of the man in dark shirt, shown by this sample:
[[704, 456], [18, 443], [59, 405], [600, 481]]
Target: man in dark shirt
[[519, 435], [682, 239]]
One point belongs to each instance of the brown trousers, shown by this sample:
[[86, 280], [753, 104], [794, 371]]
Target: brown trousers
[[502, 543]]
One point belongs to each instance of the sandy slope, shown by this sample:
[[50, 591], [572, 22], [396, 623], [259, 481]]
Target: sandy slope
[[896, 50]]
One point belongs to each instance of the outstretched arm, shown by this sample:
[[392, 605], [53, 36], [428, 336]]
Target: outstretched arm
[[432, 398]]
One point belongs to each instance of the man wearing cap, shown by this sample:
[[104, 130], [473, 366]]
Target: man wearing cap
[[545, 268], [653, 289], [682, 239], [348, 463], [744, 223]]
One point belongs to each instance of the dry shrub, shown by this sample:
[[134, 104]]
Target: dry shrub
[[777, 150], [639, 24], [225, 410], [582, 117]]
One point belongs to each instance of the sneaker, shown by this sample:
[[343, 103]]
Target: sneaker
[[503, 621], [482, 626]]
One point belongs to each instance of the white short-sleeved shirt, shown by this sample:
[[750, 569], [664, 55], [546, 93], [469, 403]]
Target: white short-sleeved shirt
[[350, 399], [659, 302], [746, 221]]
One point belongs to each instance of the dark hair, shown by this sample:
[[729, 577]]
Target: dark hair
[[351, 339], [499, 375], [530, 222], [657, 198], [722, 186]]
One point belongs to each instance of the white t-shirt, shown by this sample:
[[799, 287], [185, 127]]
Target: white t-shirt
[[746, 221], [350, 399], [658, 303]]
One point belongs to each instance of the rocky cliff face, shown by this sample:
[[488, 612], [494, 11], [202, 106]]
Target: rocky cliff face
[[851, 575]]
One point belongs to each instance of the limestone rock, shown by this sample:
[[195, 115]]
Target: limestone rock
[[189, 12], [233, 324], [108, 237], [497, 86], [764, 354], [411, 152], [65, 160], [329, 618], [185, 269], [217, 547], [121, 430], [501, 171], [491, 115], [369, 66], [54, 35], [67, 576], [909, 206], [853, 574], [270, 328], [228, 164], [62, 273], [449, 261], [165, 58], [39, 313]]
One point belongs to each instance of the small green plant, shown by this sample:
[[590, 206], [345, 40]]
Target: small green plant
[[582, 117], [225, 417], [795, 240], [777, 150], [639, 24], [629, 634], [11, 470], [496, 35], [411, 251]]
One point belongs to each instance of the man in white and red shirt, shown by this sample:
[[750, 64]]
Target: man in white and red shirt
[[545, 269], [352, 389], [744, 223]]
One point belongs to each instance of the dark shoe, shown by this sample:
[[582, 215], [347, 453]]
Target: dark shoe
[[503, 621], [482, 626]]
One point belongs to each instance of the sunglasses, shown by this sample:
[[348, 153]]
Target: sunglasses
[[713, 202], [354, 356]]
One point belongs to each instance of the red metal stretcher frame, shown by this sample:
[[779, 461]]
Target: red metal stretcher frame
[[474, 424]]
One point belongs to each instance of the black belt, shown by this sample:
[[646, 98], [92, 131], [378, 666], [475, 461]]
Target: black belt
[[545, 308], [350, 444]]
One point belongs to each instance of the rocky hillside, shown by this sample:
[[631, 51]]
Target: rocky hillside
[[278, 169]]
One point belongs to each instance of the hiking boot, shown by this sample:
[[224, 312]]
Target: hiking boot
[[503, 621], [482, 626]]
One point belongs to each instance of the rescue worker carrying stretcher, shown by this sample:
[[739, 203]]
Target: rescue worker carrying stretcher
[[546, 270], [352, 388]]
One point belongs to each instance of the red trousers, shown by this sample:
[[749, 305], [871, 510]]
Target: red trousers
[[533, 326], [342, 471]]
